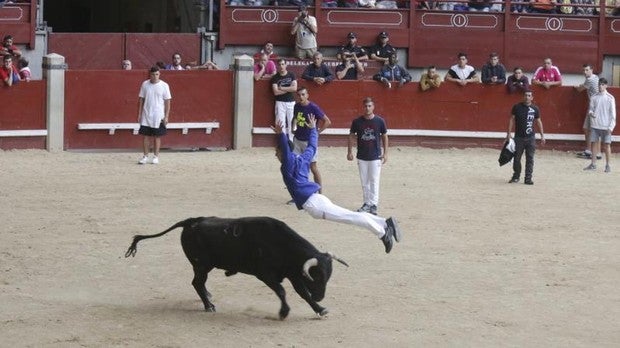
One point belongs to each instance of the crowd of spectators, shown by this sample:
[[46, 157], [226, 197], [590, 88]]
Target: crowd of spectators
[[573, 7]]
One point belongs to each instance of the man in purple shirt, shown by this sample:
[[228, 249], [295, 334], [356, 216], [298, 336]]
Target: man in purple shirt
[[301, 114]]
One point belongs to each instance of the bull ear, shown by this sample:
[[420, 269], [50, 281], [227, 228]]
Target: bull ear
[[306, 268], [337, 259]]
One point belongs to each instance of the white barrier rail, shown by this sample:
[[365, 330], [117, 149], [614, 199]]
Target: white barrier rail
[[443, 133], [184, 126], [23, 133]]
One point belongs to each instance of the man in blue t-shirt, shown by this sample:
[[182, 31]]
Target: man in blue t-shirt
[[305, 193], [522, 119], [301, 113], [370, 133]]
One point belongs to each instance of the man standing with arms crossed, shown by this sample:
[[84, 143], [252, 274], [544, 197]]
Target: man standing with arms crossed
[[370, 133], [153, 112], [522, 120], [283, 85]]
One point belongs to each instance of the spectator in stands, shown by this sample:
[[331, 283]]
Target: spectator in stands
[[493, 72], [590, 85], [266, 49], [208, 65], [382, 50], [543, 6], [462, 73], [349, 3], [612, 7], [317, 71], [386, 5], [176, 63], [446, 5], [283, 86], [426, 5], [153, 112], [520, 7], [24, 71], [393, 73], [430, 79], [9, 49], [367, 3], [602, 111], [264, 68], [547, 75], [161, 65], [8, 73], [329, 3], [126, 64], [518, 82], [351, 48], [479, 5], [349, 68], [305, 29]]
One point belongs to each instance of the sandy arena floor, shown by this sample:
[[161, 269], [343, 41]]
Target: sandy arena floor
[[483, 263]]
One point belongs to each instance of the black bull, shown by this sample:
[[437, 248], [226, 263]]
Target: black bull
[[261, 246]]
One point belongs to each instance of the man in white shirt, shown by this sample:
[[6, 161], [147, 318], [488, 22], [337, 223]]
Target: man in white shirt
[[153, 111], [602, 113]]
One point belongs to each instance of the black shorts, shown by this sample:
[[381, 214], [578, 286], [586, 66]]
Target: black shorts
[[153, 132]]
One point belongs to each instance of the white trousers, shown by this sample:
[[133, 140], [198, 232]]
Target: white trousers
[[284, 115], [320, 207], [370, 175]]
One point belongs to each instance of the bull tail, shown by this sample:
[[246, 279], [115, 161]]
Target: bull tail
[[133, 248]]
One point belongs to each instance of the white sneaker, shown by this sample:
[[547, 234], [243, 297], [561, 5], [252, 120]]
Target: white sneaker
[[155, 160], [143, 160]]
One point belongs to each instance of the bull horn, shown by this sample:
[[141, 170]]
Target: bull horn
[[337, 259], [306, 268]]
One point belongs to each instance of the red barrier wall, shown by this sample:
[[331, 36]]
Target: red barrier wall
[[106, 50], [112, 97], [451, 107], [23, 108]]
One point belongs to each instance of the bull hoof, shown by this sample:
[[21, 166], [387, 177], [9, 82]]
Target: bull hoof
[[284, 313], [210, 309], [323, 313]]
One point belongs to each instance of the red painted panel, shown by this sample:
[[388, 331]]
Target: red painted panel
[[112, 96], [89, 50], [19, 21], [23, 108], [145, 49], [453, 108]]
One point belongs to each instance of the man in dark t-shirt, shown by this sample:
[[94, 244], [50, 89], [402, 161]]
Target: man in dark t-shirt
[[522, 119], [370, 134], [283, 86]]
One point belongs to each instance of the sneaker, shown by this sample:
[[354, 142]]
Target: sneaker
[[607, 169], [143, 160], [590, 167], [599, 156], [365, 208], [513, 180], [155, 160], [387, 240], [393, 225], [528, 182], [584, 154], [373, 209]]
